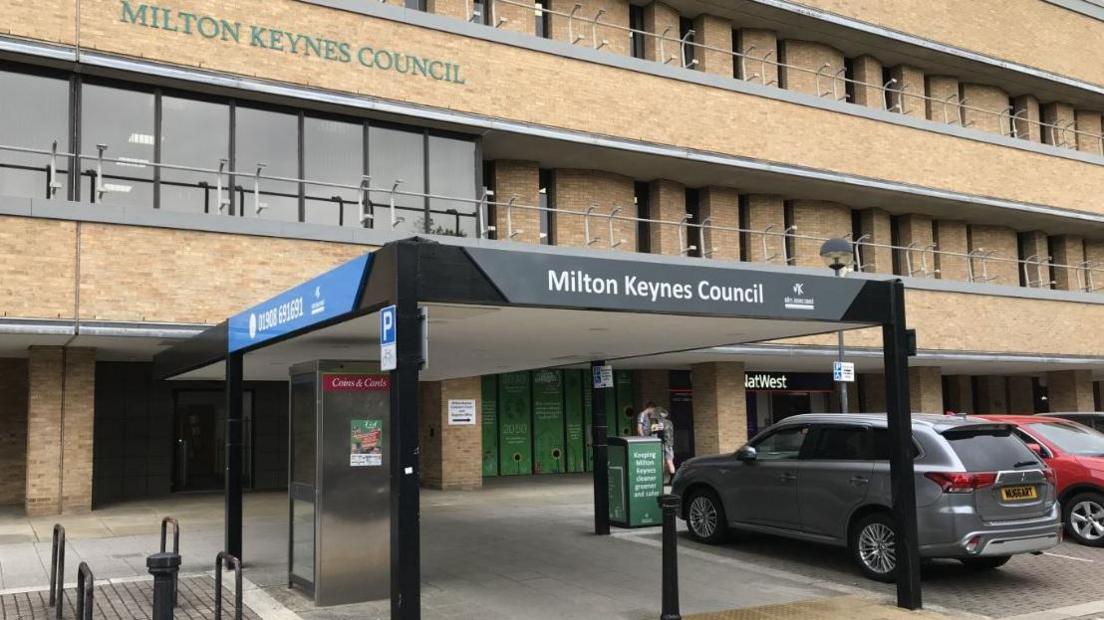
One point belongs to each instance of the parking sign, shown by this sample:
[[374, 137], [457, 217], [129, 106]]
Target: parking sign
[[843, 372], [388, 359]]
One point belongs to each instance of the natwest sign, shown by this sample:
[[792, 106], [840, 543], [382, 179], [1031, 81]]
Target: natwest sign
[[355, 383], [766, 381]]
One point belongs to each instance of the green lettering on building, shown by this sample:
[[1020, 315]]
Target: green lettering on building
[[157, 17]]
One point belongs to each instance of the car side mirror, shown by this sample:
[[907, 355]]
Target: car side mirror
[[746, 454], [1037, 449]]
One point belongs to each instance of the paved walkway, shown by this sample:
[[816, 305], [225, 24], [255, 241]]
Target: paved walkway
[[839, 608]]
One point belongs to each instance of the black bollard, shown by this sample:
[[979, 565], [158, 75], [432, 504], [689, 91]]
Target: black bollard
[[669, 504], [163, 567]]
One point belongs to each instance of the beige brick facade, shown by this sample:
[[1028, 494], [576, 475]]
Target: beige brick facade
[[916, 233], [1027, 114], [39, 257], [715, 34], [663, 21], [868, 89], [720, 407], [1059, 120], [13, 430], [457, 9], [1035, 249], [720, 207], [1088, 127], [875, 225], [907, 94], [1068, 250], [451, 454], [576, 191], [60, 415], [667, 203], [812, 68], [986, 108], [925, 389], [586, 30], [759, 49], [950, 236], [1003, 244], [815, 218], [943, 103], [518, 181], [765, 211], [1070, 390], [513, 17]]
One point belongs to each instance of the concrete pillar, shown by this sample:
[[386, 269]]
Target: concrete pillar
[[873, 394], [60, 416], [867, 72], [1035, 245], [1021, 394], [763, 211], [925, 389], [992, 394], [960, 399], [806, 60], [651, 384], [917, 231], [451, 454], [616, 14], [720, 407], [875, 222], [666, 202], [1088, 131], [942, 104], [721, 207], [660, 18], [1068, 250], [986, 108], [817, 218], [714, 32], [1058, 119], [1026, 116], [1070, 390], [950, 236], [907, 94], [760, 51], [1004, 244], [13, 430], [457, 9], [520, 180], [578, 190]]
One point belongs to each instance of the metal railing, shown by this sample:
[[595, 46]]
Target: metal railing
[[234, 563], [175, 549], [57, 570], [1007, 118], [85, 595], [607, 225]]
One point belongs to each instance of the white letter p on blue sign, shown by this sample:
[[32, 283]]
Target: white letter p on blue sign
[[388, 357]]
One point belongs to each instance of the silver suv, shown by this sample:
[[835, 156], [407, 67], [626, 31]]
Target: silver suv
[[981, 494]]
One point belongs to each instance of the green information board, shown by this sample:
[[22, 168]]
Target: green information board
[[588, 421], [623, 389], [489, 412], [635, 466], [514, 424], [573, 420], [548, 422]]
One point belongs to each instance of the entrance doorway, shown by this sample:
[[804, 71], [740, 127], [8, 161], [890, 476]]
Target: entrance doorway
[[681, 399], [199, 440], [775, 396]]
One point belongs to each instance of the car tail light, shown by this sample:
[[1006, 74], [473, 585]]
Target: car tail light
[[972, 545], [962, 482]]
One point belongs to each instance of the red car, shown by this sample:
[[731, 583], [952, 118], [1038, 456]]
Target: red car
[[1076, 454]]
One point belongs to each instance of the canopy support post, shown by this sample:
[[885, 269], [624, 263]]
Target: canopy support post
[[598, 428], [233, 482]]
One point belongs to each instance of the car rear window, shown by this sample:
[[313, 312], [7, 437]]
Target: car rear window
[[990, 449], [1071, 438]]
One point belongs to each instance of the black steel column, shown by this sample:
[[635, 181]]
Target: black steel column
[[899, 419], [598, 426], [405, 526], [234, 454]]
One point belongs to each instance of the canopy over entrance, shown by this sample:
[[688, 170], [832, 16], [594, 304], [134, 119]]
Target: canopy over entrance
[[491, 307]]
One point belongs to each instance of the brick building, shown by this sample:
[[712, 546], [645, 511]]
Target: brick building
[[165, 166]]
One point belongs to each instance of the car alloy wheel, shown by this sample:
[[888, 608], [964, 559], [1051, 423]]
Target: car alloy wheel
[[878, 548], [1087, 519], [702, 517]]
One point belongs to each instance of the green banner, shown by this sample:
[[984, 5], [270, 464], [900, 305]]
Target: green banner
[[623, 389], [515, 406], [635, 481], [573, 418], [588, 421], [489, 412], [548, 422]]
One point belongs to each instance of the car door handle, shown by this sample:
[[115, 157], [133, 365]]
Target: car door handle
[[859, 480], [787, 477]]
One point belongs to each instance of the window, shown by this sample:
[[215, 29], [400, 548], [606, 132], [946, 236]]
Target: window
[[452, 173], [333, 152], [34, 113], [547, 205], [395, 155], [540, 18], [1028, 439], [269, 138], [417, 5], [1071, 438], [636, 23], [880, 444], [783, 444], [686, 28], [642, 197], [479, 13], [122, 120], [193, 133], [842, 443], [989, 449]]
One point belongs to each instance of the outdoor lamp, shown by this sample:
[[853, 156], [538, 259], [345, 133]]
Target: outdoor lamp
[[837, 254]]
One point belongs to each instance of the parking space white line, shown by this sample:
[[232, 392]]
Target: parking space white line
[[1068, 557], [1060, 613]]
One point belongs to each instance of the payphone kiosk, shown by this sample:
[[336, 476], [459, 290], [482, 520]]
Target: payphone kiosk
[[339, 482]]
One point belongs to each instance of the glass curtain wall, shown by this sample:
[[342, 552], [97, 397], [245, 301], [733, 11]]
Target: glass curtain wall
[[333, 152], [123, 121], [34, 113], [272, 139], [193, 133], [398, 156]]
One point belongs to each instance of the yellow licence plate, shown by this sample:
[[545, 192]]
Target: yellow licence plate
[[1019, 493]]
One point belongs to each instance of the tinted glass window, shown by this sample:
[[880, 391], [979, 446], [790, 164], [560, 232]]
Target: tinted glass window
[[841, 443], [123, 121], [334, 153], [452, 173], [193, 133], [782, 444], [881, 445], [990, 450], [1071, 438], [395, 155], [271, 138], [34, 113]]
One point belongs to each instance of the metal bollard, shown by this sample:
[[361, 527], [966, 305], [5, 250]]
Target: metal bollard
[[85, 602], [669, 504], [57, 570], [225, 558], [175, 549], [164, 567]]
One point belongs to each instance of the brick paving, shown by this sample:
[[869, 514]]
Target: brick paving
[[126, 600]]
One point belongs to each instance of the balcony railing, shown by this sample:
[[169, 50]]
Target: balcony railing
[[830, 81], [603, 225]]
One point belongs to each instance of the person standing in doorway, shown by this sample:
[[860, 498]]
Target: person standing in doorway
[[665, 431], [645, 419]]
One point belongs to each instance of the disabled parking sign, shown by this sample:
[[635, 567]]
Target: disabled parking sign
[[387, 330]]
